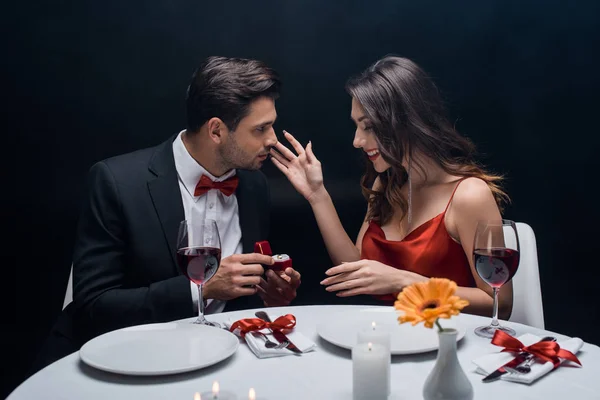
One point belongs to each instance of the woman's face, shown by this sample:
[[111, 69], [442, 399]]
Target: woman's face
[[364, 137]]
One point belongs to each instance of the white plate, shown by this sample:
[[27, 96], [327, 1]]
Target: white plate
[[343, 328], [159, 349]]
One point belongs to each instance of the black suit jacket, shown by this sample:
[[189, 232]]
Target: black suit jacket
[[124, 266]]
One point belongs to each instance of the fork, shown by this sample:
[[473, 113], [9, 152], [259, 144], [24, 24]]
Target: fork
[[269, 344]]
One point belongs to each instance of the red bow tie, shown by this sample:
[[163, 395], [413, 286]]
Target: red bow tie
[[227, 187]]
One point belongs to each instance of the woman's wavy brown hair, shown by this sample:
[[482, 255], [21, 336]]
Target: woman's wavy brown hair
[[407, 114]]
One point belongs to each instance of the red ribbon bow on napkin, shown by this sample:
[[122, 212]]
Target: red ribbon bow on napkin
[[287, 321], [546, 350]]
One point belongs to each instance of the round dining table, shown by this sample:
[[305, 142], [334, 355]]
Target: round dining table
[[323, 374]]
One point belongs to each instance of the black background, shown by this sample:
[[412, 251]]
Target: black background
[[85, 80]]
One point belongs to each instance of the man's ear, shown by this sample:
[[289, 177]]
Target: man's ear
[[217, 130]]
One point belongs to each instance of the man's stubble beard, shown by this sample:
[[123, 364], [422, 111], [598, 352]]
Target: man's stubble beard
[[233, 157]]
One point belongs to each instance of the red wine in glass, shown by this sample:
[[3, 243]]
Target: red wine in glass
[[496, 266], [496, 258], [199, 256], [198, 264]]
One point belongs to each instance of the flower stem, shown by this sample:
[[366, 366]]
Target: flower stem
[[437, 322]]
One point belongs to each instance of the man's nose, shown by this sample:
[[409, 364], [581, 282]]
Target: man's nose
[[271, 139]]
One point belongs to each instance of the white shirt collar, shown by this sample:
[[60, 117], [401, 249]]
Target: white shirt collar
[[189, 170]]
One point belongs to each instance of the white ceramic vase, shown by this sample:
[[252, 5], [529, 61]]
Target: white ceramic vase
[[447, 380]]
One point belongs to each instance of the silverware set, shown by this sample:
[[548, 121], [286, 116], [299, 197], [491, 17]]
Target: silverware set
[[520, 365], [282, 341], [280, 337], [525, 366]]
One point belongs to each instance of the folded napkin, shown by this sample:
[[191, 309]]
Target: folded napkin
[[257, 342], [491, 362]]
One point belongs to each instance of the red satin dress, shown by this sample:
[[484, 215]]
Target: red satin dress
[[428, 250]]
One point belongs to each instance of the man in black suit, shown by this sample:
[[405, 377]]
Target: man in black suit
[[124, 266]]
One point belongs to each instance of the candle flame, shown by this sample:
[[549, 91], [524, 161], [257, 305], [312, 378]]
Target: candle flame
[[373, 325], [251, 394], [370, 346], [215, 388], [197, 396]]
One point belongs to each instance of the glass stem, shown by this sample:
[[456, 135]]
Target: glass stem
[[495, 315], [200, 304]]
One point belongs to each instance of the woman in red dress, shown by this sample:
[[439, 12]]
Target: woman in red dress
[[425, 192]]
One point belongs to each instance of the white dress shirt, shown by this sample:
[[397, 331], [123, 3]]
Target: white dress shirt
[[211, 205]]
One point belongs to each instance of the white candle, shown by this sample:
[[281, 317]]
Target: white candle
[[370, 372], [217, 394], [378, 335]]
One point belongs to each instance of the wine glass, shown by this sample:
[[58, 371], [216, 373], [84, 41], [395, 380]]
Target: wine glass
[[199, 256], [496, 253]]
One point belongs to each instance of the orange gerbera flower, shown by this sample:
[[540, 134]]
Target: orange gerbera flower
[[428, 301]]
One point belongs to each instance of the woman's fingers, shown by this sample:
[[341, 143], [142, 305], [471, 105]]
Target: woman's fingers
[[284, 151], [310, 156], [295, 144], [281, 159]]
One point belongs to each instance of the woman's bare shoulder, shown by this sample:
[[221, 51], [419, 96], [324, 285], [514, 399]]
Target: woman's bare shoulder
[[472, 191]]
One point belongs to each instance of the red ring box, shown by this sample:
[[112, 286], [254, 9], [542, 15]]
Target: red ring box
[[263, 248], [282, 261]]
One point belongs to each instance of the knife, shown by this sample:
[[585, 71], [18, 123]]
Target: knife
[[521, 357], [279, 336]]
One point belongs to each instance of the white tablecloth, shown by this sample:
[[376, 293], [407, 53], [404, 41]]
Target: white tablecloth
[[325, 374]]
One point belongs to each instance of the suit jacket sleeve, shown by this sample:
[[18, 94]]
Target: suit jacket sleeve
[[102, 300]]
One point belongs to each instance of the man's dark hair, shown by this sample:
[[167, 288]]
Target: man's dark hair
[[225, 87]]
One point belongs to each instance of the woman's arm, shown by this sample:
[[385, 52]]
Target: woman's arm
[[304, 172], [474, 201], [330, 227], [338, 243], [375, 278]]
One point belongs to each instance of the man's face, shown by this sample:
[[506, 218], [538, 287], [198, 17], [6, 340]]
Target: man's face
[[248, 146]]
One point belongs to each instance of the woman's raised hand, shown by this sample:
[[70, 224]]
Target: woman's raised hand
[[302, 169]]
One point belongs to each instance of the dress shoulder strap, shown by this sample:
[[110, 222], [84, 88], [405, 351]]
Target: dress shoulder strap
[[454, 191]]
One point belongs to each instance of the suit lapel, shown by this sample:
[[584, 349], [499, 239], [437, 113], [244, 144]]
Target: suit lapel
[[166, 196]]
